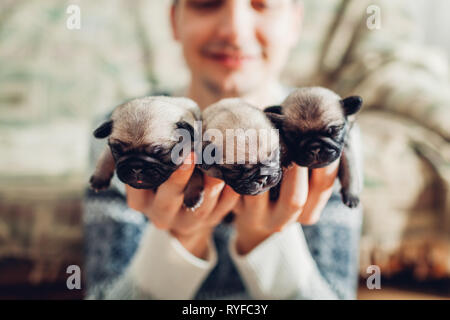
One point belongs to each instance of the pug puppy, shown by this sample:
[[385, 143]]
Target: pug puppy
[[315, 127], [241, 146], [141, 136]]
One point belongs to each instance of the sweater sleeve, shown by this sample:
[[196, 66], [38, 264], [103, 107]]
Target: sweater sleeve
[[281, 267], [308, 262], [127, 257], [163, 269]]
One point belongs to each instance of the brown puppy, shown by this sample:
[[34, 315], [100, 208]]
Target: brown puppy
[[315, 126], [142, 133], [241, 147]]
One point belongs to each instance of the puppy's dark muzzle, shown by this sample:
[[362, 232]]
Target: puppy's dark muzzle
[[256, 185], [142, 172], [317, 154]]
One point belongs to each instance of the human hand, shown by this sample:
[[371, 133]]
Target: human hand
[[302, 199], [321, 183], [165, 207]]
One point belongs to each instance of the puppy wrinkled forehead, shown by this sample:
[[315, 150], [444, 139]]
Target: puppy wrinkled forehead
[[150, 119], [241, 131], [313, 107]]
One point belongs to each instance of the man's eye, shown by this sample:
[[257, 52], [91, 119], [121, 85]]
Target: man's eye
[[259, 5], [205, 4]]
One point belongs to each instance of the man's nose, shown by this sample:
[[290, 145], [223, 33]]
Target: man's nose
[[236, 22]]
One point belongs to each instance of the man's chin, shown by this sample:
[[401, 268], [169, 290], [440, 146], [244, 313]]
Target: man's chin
[[232, 85]]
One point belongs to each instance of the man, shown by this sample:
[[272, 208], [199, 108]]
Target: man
[[238, 48]]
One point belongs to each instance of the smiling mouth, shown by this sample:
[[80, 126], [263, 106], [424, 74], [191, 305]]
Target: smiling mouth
[[232, 61]]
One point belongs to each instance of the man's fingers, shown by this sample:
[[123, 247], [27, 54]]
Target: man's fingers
[[228, 199], [239, 206], [324, 177], [139, 199], [212, 189], [320, 189], [294, 189], [179, 179], [314, 206], [169, 196], [293, 194], [257, 204]]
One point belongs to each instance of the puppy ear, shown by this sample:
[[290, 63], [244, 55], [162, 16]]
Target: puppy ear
[[274, 109], [186, 126], [275, 115], [351, 104], [104, 130]]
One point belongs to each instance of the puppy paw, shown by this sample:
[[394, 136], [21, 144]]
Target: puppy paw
[[349, 199], [99, 183], [192, 202]]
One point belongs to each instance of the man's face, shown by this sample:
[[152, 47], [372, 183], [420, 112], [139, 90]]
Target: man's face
[[232, 46]]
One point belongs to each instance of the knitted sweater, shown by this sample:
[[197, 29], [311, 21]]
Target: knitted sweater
[[127, 257]]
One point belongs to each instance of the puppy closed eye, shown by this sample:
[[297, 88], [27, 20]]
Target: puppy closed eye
[[116, 147], [158, 151], [294, 136], [333, 131], [152, 150]]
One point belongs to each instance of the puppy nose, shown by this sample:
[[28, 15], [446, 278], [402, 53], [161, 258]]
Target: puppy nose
[[136, 171], [314, 151]]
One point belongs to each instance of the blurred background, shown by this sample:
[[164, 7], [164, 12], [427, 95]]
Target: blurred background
[[54, 83]]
